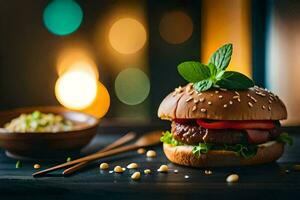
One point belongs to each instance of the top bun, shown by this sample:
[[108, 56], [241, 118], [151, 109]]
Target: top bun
[[220, 104]]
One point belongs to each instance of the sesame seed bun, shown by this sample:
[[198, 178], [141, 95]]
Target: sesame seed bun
[[219, 104], [182, 155]]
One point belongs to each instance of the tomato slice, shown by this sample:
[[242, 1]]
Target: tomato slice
[[235, 124]]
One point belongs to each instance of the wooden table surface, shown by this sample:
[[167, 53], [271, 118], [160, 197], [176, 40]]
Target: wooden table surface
[[266, 181]]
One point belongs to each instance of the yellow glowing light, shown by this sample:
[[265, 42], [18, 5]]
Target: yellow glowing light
[[76, 59], [176, 27], [76, 89], [237, 17], [127, 35], [101, 103]]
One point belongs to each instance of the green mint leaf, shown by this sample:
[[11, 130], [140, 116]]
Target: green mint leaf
[[235, 81], [220, 74], [193, 71], [213, 69], [222, 57], [203, 85], [285, 139]]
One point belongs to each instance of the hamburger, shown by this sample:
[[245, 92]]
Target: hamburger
[[220, 118]]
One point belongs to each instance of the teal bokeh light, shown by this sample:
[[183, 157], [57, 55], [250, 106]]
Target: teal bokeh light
[[62, 17]]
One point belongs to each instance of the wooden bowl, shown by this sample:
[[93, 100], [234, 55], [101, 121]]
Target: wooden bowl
[[47, 144]]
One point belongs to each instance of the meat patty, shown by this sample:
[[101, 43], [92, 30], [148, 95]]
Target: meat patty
[[194, 134]]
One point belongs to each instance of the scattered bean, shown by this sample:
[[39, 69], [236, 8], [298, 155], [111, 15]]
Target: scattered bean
[[104, 166], [36, 166], [132, 166], [163, 168], [118, 169], [175, 171], [151, 154], [208, 172], [232, 178], [147, 171], [141, 151], [69, 159], [136, 176]]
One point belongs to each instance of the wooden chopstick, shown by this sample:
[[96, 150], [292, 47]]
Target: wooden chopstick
[[89, 158], [150, 139], [124, 139]]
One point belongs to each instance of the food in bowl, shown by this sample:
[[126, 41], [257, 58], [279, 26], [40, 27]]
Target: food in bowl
[[39, 122], [221, 118]]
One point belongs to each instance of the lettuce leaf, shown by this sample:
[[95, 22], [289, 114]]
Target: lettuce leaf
[[243, 150], [285, 139], [167, 138]]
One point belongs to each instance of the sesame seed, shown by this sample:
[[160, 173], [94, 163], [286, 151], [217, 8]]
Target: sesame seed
[[203, 110], [260, 94], [201, 100], [239, 100], [217, 91], [220, 97], [200, 94], [191, 92], [188, 87], [269, 101], [253, 99], [269, 108], [211, 95], [248, 95], [208, 172], [237, 93], [196, 100], [186, 176], [188, 99], [263, 107], [230, 102], [236, 97], [209, 103], [250, 104], [225, 105], [179, 89], [194, 108], [223, 89]]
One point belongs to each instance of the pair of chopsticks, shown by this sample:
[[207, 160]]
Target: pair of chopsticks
[[148, 139], [124, 139]]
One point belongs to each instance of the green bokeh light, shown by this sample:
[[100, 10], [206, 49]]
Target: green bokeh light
[[132, 86], [62, 17]]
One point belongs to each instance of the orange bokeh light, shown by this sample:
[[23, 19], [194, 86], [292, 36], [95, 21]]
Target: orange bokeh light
[[101, 103], [127, 35], [176, 27]]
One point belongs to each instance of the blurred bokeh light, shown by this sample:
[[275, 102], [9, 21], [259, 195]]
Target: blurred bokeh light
[[176, 27], [132, 86], [76, 89], [127, 35], [101, 103], [62, 17], [76, 59], [224, 27]]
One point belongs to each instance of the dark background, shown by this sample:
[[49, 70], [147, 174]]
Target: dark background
[[28, 50]]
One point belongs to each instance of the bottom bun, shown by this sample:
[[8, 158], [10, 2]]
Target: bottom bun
[[182, 155]]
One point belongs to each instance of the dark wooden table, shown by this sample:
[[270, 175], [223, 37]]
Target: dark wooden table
[[266, 182]]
